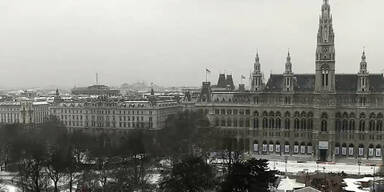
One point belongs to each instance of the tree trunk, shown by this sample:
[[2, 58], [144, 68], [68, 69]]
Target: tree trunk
[[70, 181], [55, 183]]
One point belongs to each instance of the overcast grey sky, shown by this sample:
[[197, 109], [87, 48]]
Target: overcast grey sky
[[171, 42]]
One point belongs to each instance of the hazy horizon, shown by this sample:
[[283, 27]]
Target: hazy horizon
[[171, 42]]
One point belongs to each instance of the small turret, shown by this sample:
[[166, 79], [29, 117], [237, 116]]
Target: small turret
[[363, 80], [288, 64], [363, 63], [288, 75]]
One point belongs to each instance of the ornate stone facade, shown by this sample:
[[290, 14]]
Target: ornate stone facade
[[321, 116]]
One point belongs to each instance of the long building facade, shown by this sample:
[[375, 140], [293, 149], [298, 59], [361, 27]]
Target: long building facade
[[23, 112], [322, 116], [115, 116]]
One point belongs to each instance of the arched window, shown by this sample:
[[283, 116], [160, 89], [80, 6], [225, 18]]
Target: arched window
[[352, 124], [256, 123], [362, 125], [296, 124], [287, 114], [303, 124], [303, 114], [345, 125], [310, 124], [287, 124], [235, 122], [379, 125], [278, 123], [229, 122], [241, 122], [372, 116], [338, 125], [265, 114], [271, 122], [324, 76], [265, 123], [371, 125], [324, 126], [324, 123]]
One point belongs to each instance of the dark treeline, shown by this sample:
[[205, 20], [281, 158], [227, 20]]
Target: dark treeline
[[49, 158]]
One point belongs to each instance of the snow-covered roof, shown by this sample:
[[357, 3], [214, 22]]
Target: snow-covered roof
[[289, 184]]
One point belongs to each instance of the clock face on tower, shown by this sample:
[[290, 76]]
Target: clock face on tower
[[324, 67]]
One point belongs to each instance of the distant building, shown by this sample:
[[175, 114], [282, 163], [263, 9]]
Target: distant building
[[24, 112], [96, 90], [104, 115]]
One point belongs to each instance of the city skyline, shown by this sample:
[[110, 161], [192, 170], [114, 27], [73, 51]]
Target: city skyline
[[67, 42]]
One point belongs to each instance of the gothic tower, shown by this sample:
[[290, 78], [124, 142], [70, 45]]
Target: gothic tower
[[257, 76], [325, 52]]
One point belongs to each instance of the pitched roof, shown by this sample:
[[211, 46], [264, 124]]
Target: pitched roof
[[346, 82], [376, 82], [302, 82], [306, 82]]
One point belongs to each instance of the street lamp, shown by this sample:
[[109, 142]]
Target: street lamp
[[325, 176], [359, 163], [306, 176], [274, 165], [286, 161], [373, 184]]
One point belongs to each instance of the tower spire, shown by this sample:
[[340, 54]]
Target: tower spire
[[288, 64], [325, 52], [257, 81], [257, 63]]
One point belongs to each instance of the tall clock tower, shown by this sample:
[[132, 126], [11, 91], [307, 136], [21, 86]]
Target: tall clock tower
[[325, 52]]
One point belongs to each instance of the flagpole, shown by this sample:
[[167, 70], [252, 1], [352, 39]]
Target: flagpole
[[206, 75]]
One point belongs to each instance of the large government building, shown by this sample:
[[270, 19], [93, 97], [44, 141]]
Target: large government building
[[322, 116]]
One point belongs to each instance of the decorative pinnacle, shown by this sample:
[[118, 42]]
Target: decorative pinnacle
[[257, 56], [363, 57], [289, 56]]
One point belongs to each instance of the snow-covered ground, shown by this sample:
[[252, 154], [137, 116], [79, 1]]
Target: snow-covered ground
[[9, 188], [311, 166], [354, 184]]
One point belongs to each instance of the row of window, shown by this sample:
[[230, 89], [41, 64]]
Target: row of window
[[107, 124], [349, 125], [97, 111], [101, 118]]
